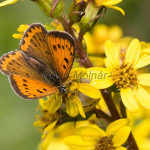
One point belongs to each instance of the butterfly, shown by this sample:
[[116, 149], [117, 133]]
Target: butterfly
[[43, 63]]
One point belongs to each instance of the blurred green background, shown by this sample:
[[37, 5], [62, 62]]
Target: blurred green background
[[16, 114]]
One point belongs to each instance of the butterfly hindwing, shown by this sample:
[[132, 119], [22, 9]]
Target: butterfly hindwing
[[29, 88], [16, 63], [25, 80]]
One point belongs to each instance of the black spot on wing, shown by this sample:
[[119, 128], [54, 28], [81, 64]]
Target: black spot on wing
[[63, 47], [59, 46], [24, 80], [54, 47], [66, 60], [39, 91], [63, 35], [64, 66], [44, 89]]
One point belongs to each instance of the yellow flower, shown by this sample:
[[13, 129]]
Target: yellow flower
[[110, 4], [94, 138], [7, 2], [56, 25], [122, 71], [54, 139], [140, 127], [141, 133], [47, 117], [22, 28], [95, 40]]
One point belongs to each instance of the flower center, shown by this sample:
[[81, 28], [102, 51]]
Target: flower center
[[124, 76], [105, 143]]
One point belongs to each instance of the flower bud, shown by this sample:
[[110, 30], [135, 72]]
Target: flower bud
[[92, 14], [76, 10], [52, 8]]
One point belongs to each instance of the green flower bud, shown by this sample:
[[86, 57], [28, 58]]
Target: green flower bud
[[92, 14], [76, 10], [52, 8]]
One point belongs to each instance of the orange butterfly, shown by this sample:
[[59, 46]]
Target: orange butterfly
[[43, 63]]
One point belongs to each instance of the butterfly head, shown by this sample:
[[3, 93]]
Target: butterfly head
[[62, 89]]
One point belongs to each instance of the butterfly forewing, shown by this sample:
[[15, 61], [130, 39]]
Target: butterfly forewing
[[54, 49], [63, 51], [34, 44]]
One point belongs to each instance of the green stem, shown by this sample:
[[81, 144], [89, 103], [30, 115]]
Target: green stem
[[110, 104], [100, 114]]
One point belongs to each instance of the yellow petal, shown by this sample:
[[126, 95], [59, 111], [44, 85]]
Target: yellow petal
[[128, 99], [53, 103], [80, 107], [102, 84], [48, 128], [121, 136], [116, 125], [77, 73], [120, 148], [38, 123], [143, 61], [117, 8], [42, 103], [98, 69], [133, 52], [22, 28], [74, 107], [48, 135], [7, 2], [108, 64], [71, 108], [146, 51], [144, 79], [110, 2], [89, 90], [77, 142], [111, 53], [47, 140], [143, 97], [17, 36], [90, 131], [98, 73]]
